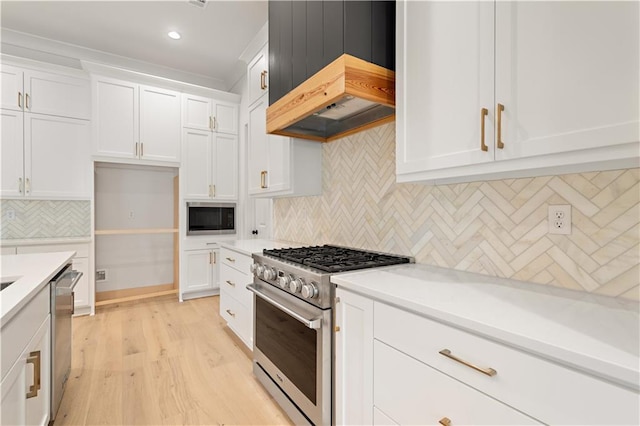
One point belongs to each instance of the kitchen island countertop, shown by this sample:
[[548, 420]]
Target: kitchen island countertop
[[597, 334], [31, 273]]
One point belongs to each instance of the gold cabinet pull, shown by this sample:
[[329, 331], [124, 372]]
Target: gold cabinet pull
[[263, 179], [141, 149], [231, 313], [230, 259], [211, 122], [483, 114], [263, 80], [445, 421], [34, 358], [26, 101], [231, 283], [27, 186], [20, 185], [337, 328], [215, 124], [20, 100], [488, 371], [500, 109], [213, 191], [210, 258]]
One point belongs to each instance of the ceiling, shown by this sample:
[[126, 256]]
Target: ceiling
[[212, 40]]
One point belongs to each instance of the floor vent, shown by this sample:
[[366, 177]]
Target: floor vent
[[101, 275]]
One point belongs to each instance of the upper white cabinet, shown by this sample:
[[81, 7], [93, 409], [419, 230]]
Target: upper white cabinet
[[507, 89], [45, 144], [45, 93], [278, 165], [210, 165], [202, 113], [136, 122], [258, 75]]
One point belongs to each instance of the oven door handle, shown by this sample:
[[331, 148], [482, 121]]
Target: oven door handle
[[313, 323]]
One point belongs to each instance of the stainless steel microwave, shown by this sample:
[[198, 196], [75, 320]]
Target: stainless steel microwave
[[211, 218]]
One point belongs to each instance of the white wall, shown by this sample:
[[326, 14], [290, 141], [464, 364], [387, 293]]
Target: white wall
[[134, 197]]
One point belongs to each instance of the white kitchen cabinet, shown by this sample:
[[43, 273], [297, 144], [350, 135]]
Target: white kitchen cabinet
[[545, 96], [26, 364], [277, 165], [45, 156], [202, 113], [136, 122], [236, 302], [210, 165], [258, 75], [45, 93], [201, 270], [354, 358]]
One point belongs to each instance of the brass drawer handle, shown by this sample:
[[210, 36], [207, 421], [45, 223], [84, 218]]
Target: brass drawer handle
[[500, 110], [263, 80], [34, 358], [263, 179], [26, 101], [483, 114], [231, 283], [230, 259], [445, 421], [20, 100], [231, 313], [488, 371]]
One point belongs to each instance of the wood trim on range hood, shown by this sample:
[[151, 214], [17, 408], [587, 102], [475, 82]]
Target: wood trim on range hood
[[298, 113]]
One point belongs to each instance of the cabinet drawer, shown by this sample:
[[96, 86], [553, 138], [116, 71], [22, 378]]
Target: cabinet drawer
[[237, 317], [235, 283], [21, 328], [7, 250], [547, 391], [82, 250], [238, 261], [411, 392]]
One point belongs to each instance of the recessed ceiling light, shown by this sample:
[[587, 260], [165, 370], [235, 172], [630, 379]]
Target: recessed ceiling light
[[174, 35]]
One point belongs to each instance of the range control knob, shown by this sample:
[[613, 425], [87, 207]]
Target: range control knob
[[270, 274], [284, 281], [260, 270], [296, 285], [309, 291], [253, 268]]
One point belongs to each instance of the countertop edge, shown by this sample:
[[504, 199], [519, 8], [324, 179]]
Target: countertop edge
[[237, 245], [44, 241], [605, 370]]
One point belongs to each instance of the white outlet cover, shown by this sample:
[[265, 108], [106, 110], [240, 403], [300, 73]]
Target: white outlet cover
[[559, 226]]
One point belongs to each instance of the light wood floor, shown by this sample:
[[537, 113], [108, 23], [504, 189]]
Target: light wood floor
[[161, 362]]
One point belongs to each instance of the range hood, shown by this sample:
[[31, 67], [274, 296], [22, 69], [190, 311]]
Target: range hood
[[347, 96]]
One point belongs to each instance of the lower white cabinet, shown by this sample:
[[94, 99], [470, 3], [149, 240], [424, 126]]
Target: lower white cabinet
[[236, 302], [201, 270], [83, 291], [397, 367], [26, 378]]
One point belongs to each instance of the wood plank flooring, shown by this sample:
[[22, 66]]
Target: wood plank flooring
[[161, 362]]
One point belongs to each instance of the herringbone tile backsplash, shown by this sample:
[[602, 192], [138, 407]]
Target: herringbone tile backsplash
[[495, 228], [45, 219]]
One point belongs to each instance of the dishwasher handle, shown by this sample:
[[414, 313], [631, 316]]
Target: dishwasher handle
[[69, 280]]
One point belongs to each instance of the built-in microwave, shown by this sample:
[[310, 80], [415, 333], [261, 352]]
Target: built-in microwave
[[211, 218]]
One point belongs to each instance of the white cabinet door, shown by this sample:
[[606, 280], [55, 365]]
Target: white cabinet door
[[196, 112], [25, 389], [567, 75], [55, 94], [116, 119], [159, 124], [12, 96], [81, 294], [279, 172], [225, 159], [258, 75], [444, 80], [196, 163], [354, 359], [258, 150], [225, 118], [57, 157], [12, 153], [198, 270]]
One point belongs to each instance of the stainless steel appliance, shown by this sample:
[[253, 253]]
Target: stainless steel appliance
[[62, 299], [293, 323], [211, 218]]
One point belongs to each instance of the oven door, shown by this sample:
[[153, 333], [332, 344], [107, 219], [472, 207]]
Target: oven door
[[292, 345]]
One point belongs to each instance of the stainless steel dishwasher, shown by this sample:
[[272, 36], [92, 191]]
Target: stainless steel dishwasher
[[62, 299]]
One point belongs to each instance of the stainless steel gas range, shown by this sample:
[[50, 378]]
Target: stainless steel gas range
[[293, 323]]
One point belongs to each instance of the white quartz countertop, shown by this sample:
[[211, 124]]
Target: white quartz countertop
[[249, 247], [597, 334], [44, 241], [31, 273]]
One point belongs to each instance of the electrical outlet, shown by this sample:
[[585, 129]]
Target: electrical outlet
[[560, 219], [132, 215], [11, 215]]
